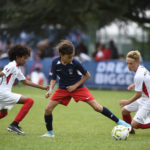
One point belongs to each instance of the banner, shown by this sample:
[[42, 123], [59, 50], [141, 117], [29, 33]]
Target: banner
[[108, 75], [104, 74]]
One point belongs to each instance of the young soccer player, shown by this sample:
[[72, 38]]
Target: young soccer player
[[17, 55], [140, 102], [71, 75]]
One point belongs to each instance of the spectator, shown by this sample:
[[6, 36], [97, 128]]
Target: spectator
[[38, 77], [45, 49], [82, 48], [121, 57], [99, 54], [107, 53], [82, 56], [3, 54], [113, 49]]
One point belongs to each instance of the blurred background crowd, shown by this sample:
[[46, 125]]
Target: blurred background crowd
[[100, 30]]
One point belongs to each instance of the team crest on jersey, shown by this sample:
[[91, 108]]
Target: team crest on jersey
[[7, 69], [70, 71]]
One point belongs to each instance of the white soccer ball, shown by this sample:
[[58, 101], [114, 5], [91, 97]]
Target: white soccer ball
[[120, 132]]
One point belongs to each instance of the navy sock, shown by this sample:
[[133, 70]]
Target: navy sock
[[14, 123], [48, 121], [106, 112]]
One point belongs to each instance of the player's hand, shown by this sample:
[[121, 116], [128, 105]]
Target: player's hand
[[71, 88], [47, 95], [131, 87], [123, 103]]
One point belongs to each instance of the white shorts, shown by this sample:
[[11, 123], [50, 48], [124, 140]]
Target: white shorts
[[8, 99], [142, 109]]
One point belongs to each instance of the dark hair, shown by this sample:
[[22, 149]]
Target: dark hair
[[65, 47], [18, 50]]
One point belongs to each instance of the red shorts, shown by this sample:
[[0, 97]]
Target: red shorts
[[64, 97]]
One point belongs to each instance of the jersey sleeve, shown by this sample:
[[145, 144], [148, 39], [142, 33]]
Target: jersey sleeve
[[80, 67], [20, 76], [8, 69], [138, 80], [52, 74]]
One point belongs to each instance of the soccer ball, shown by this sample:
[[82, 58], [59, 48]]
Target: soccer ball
[[120, 132]]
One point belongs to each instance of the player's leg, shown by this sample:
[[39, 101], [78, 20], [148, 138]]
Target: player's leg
[[106, 112], [3, 113], [140, 117], [27, 104], [83, 94], [126, 112], [103, 110], [134, 124], [49, 118], [143, 126], [126, 115]]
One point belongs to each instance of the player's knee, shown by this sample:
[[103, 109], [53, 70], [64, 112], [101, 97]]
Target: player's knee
[[48, 110], [134, 124], [3, 114], [124, 111], [98, 108]]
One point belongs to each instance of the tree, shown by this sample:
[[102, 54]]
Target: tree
[[36, 15]]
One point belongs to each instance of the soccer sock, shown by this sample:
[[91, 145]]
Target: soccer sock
[[48, 121], [143, 126], [106, 112], [2, 115], [127, 118], [24, 110]]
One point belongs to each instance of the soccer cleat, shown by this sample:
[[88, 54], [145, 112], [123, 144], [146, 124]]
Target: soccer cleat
[[132, 131], [121, 122], [16, 129], [49, 134]]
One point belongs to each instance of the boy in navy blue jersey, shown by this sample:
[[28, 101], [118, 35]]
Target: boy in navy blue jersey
[[71, 75]]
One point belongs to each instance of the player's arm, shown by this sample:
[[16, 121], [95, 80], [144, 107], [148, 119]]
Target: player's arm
[[76, 85], [132, 99], [2, 74], [83, 79], [53, 77], [51, 86], [131, 87], [138, 85], [29, 83]]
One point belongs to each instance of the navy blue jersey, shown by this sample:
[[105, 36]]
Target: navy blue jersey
[[68, 74]]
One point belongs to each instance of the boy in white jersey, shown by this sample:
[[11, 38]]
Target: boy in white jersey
[[17, 56], [140, 102]]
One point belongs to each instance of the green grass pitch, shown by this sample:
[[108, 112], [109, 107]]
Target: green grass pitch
[[76, 127]]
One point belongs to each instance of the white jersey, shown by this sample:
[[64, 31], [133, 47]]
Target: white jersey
[[12, 72], [141, 106], [142, 81]]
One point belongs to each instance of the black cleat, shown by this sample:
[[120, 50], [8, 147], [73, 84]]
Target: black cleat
[[16, 129], [132, 131]]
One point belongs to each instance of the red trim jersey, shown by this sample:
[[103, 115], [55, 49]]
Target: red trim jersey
[[12, 72], [142, 81]]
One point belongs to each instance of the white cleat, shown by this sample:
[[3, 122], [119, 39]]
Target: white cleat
[[48, 135]]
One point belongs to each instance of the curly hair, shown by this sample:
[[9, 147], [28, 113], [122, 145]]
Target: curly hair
[[65, 47], [18, 50]]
